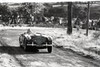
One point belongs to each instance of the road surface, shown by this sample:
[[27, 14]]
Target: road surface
[[58, 58]]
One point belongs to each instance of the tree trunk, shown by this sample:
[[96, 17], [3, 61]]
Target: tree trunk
[[69, 28], [88, 15]]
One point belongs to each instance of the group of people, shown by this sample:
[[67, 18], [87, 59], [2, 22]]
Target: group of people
[[33, 20], [93, 24]]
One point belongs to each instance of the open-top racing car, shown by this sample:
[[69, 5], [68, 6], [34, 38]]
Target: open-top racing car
[[38, 41]]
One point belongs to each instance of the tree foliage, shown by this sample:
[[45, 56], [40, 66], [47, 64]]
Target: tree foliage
[[33, 8], [4, 13], [80, 12], [57, 12]]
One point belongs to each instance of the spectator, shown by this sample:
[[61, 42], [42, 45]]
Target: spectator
[[92, 24], [77, 24]]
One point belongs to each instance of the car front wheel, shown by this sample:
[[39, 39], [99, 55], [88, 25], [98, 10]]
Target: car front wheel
[[25, 48], [21, 44], [25, 45]]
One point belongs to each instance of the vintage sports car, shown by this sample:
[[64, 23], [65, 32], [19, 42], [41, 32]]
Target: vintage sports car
[[37, 41]]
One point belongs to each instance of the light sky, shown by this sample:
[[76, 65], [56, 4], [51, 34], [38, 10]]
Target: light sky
[[18, 1]]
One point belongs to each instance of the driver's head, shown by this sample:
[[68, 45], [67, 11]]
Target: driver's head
[[29, 31]]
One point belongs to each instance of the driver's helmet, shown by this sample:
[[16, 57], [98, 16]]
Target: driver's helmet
[[29, 31]]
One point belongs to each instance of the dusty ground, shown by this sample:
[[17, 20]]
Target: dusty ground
[[11, 55]]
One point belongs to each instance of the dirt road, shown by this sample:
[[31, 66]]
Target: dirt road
[[58, 58]]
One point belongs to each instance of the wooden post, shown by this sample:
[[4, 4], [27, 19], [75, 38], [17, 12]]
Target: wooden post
[[69, 29], [88, 16]]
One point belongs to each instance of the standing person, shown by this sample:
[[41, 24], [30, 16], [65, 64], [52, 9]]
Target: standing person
[[92, 23], [77, 24], [52, 18], [97, 24], [60, 20], [32, 18]]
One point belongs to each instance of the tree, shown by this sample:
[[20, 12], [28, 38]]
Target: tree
[[69, 29], [34, 7], [79, 12], [88, 16], [28, 10], [13, 16], [76, 10], [4, 13]]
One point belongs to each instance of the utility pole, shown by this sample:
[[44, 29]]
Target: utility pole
[[88, 16], [69, 28]]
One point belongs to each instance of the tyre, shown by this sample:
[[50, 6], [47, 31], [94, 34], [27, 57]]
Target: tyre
[[25, 45], [49, 49], [20, 42], [25, 48]]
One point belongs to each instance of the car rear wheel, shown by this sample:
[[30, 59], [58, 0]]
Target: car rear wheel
[[49, 49]]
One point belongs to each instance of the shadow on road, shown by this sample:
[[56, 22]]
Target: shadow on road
[[17, 50], [14, 50]]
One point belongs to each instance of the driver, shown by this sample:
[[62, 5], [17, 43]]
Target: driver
[[28, 34]]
